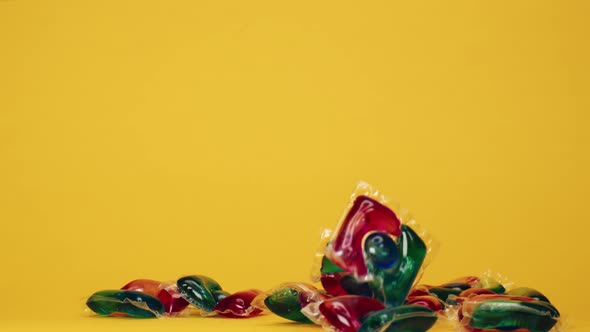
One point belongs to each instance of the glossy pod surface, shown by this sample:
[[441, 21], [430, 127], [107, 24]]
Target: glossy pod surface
[[393, 279], [503, 312], [329, 267], [337, 282], [238, 305], [285, 303], [331, 283], [366, 215], [201, 291], [172, 300], [330, 277], [125, 303], [344, 283], [345, 313], [405, 318], [288, 299]]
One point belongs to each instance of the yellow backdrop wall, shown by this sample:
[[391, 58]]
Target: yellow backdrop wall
[[156, 139]]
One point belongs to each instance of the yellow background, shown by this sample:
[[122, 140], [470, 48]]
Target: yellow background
[[157, 139]]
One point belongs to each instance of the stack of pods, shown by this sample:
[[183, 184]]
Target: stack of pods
[[369, 272], [368, 267]]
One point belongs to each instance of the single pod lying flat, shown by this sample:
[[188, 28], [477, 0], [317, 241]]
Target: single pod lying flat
[[285, 303], [201, 291], [289, 298], [505, 312], [125, 303]]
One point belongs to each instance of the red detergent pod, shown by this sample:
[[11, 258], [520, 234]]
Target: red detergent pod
[[366, 215], [171, 299], [238, 305], [342, 313]]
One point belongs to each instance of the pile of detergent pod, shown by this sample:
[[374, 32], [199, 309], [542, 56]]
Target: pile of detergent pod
[[369, 269], [145, 298]]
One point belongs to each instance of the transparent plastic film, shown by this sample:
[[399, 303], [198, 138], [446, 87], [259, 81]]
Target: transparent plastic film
[[447, 292], [166, 292], [319, 255], [202, 292], [238, 305], [352, 313], [194, 294], [504, 312], [341, 313], [125, 303], [207, 295], [491, 302], [410, 318], [287, 300], [378, 247]]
